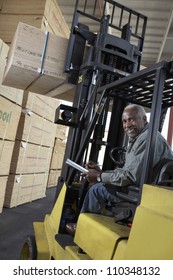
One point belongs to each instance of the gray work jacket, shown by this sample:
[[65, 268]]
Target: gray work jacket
[[132, 169]]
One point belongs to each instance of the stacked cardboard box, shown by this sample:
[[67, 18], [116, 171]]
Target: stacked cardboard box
[[35, 60], [32, 151], [9, 117], [65, 92], [25, 188], [13, 94], [43, 14], [3, 183], [53, 178], [57, 155], [10, 110]]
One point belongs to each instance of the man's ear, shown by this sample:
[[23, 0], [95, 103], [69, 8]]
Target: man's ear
[[145, 118]]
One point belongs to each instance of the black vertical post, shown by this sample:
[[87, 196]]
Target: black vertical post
[[153, 128]]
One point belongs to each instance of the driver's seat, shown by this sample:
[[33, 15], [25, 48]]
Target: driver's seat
[[162, 176]]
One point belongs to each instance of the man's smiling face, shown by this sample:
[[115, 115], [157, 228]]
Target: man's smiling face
[[133, 121]]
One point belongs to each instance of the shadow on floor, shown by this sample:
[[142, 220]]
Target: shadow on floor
[[16, 223]]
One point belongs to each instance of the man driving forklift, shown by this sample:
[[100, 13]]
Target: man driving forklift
[[135, 125]]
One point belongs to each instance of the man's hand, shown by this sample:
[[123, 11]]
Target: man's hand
[[94, 172]]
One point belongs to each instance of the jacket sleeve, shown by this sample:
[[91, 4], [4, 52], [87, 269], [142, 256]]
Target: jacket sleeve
[[131, 171]]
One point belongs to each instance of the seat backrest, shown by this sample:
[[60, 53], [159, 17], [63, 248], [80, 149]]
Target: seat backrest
[[163, 173]]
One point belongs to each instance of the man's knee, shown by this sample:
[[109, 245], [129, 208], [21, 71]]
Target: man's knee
[[96, 187]]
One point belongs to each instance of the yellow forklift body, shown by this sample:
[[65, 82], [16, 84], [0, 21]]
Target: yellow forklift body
[[45, 232], [43, 252], [99, 235], [150, 236], [47, 247]]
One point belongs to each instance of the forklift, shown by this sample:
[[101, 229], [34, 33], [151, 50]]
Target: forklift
[[104, 64]]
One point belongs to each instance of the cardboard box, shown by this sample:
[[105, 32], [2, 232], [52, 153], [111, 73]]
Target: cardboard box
[[65, 92], [3, 183], [1, 3], [43, 14], [6, 151], [25, 188], [58, 154], [53, 178], [35, 60], [62, 132], [40, 104], [30, 158], [35, 129], [13, 94], [9, 119]]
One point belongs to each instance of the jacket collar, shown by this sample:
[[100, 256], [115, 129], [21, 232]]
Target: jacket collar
[[131, 140]]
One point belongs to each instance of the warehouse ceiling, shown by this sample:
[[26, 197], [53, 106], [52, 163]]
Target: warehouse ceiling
[[158, 42]]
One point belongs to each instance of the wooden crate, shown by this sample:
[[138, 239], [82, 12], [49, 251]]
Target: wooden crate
[[40, 104], [35, 129], [57, 154], [25, 188], [13, 94], [30, 158], [1, 3], [43, 14], [53, 178], [3, 183], [6, 151], [62, 132], [24, 68], [65, 92], [9, 118]]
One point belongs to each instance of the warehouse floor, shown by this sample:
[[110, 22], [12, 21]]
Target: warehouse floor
[[16, 223]]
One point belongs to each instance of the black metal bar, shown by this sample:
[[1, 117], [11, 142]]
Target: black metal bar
[[113, 11], [121, 17], [85, 5], [135, 76], [137, 24], [130, 15], [89, 131], [146, 176], [95, 5], [90, 99], [118, 27], [104, 8], [71, 40]]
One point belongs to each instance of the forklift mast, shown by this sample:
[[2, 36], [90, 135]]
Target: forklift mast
[[107, 50]]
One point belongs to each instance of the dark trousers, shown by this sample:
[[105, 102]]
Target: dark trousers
[[97, 196]]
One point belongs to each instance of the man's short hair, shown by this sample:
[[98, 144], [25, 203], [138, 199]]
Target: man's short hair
[[138, 108]]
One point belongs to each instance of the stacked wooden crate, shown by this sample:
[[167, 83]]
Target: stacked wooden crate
[[27, 133], [32, 151], [36, 62], [10, 110], [43, 14], [46, 16], [57, 155]]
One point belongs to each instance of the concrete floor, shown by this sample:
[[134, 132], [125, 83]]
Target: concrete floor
[[16, 223]]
